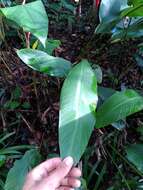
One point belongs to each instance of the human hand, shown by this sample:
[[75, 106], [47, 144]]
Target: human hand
[[53, 174]]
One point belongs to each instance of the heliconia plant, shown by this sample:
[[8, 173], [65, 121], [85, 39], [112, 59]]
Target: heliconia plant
[[79, 111]]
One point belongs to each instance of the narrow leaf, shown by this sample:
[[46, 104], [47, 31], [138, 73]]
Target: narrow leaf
[[78, 101], [118, 106]]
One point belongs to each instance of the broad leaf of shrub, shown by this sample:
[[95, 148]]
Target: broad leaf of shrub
[[110, 9], [16, 175], [78, 101], [118, 106], [31, 17], [42, 62]]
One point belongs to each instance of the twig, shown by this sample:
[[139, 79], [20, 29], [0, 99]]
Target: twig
[[31, 130]]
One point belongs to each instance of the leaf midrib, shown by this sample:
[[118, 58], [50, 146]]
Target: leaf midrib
[[77, 112]]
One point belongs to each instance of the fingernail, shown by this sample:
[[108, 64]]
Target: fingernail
[[68, 161]]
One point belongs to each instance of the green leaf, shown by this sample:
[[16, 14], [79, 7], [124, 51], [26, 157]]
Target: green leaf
[[16, 175], [11, 104], [77, 104], [118, 106], [135, 155], [42, 62], [110, 9], [50, 46], [134, 30], [31, 17], [134, 11], [107, 27], [4, 137], [14, 149], [26, 105], [135, 2]]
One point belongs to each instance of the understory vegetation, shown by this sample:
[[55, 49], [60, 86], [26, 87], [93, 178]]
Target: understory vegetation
[[71, 84]]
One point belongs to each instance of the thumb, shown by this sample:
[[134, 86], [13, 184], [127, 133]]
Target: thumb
[[61, 171]]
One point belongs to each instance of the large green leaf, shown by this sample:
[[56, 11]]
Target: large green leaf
[[31, 17], [42, 62], [77, 104], [18, 172], [110, 9], [118, 106], [135, 155]]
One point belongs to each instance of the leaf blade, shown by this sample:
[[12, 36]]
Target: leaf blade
[[76, 116], [42, 62], [20, 170], [31, 17], [118, 106]]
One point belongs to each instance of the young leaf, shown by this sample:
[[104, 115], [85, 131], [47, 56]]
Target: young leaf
[[42, 62], [77, 104], [118, 106], [135, 155], [31, 17], [18, 172]]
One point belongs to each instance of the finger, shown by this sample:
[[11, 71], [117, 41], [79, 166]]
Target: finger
[[61, 171], [71, 182], [75, 172], [65, 188], [44, 168]]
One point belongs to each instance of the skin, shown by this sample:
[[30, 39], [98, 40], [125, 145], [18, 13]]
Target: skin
[[53, 174]]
